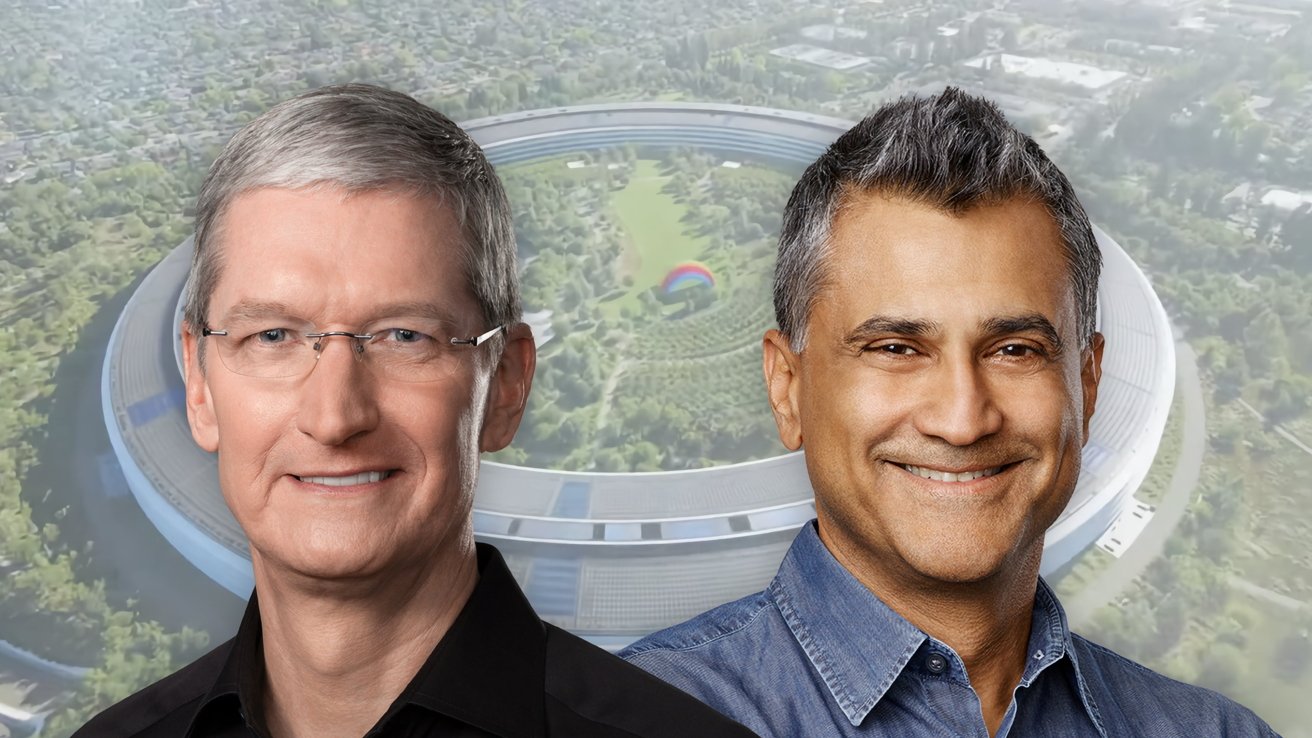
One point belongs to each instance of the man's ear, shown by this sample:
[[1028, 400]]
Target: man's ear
[[508, 389], [200, 405], [782, 385], [1090, 375]]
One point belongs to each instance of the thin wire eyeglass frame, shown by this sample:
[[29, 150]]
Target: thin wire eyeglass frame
[[359, 340]]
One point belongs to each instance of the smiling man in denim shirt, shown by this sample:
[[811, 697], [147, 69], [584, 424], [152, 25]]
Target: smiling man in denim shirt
[[937, 358]]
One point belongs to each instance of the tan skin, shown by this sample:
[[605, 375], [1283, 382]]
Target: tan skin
[[949, 343], [356, 585]]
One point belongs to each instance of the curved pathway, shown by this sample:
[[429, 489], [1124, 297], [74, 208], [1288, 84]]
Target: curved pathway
[[1118, 575]]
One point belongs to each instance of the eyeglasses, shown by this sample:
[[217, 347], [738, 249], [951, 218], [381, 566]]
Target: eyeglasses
[[417, 353]]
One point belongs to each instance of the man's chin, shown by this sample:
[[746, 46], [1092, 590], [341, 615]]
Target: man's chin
[[957, 567], [327, 563]]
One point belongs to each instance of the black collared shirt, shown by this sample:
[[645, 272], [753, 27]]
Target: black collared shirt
[[498, 671]]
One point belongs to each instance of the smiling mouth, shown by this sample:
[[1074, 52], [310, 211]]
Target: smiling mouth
[[942, 476], [368, 477]]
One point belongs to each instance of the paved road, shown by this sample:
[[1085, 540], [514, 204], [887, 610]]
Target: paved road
[[1280, 429], [1152, 541], [1262, 593]]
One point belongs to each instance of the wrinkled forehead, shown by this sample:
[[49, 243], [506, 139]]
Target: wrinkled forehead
[[323, 247]]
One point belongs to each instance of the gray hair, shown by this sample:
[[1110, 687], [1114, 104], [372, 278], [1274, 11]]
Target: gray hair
[[951, 151], [362, 138]]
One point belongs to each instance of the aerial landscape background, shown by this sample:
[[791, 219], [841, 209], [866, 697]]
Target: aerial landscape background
[[646, 269]]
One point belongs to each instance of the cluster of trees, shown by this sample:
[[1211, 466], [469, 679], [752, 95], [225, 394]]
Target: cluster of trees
[[693, 384], [1189, 587], [650, 387], [66, 250], [1181, 616], [736, 207], [569, 246], [567, 241], [1235, 276]]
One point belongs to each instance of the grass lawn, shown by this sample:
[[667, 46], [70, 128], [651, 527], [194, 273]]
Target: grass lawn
[[1159, 476], [653, 223]]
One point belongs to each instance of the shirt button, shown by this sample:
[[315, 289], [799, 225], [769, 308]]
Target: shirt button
[[936, 663]]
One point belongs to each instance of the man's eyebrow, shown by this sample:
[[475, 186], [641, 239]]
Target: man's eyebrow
[[249, 310], [1027, 323], [888, 325], [252, 310], [428, 310]]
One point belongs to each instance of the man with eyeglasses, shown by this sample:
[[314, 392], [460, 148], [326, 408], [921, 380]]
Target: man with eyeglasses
[[352, 342]]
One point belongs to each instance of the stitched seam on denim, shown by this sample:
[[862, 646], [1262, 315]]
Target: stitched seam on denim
[[760, 608], [838, 687], [1055, 633], [814, 652], [1086, 693]]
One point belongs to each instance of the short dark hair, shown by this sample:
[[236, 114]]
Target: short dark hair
[[951, 151]]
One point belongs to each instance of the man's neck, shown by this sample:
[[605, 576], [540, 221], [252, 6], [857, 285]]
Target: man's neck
[[337, 654], [986, 623]]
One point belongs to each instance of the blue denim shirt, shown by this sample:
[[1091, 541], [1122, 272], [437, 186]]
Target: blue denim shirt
[[816, 654]]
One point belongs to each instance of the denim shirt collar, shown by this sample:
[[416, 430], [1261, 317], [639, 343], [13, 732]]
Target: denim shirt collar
[[859, 646]]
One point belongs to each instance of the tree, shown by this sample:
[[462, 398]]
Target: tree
[[1222, 667], [1286, 397], [1266, 343], [1172, 618]]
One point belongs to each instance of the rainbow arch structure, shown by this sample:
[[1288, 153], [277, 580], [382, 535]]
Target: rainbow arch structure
[[686, 274]]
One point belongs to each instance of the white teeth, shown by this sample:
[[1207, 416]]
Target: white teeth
[[361, 478], [940, 476]]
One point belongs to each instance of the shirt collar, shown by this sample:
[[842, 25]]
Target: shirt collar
[[238, 690], [1050, 639], [489, 670], [1050, 635], [854, 641], [859, 646]]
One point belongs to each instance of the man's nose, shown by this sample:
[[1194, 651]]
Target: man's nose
[[338, 397], [959, 405]]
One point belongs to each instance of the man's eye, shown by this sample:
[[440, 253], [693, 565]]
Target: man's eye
[[1018, 351], [272, 336], [893, 349], [406, 335]]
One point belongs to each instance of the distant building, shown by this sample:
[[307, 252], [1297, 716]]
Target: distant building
[[1253, 21], [821, 57], [1003, 17], [1134, 48], [827, 33], [902, 48], [1070, 73], [1286, 200]]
